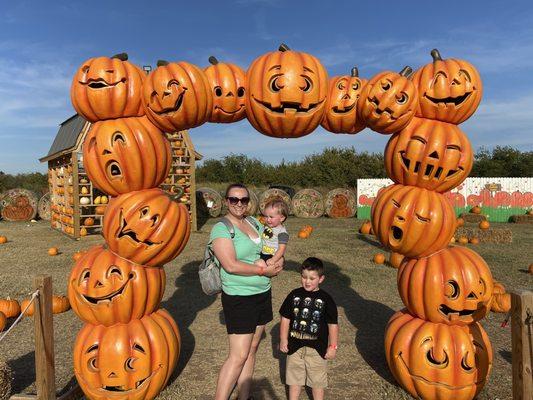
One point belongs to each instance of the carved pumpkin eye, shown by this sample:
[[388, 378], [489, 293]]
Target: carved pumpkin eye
[[437, 363], [172, 82], [355, 86], [308, 84], [420, 139], [85, 69], [155, 219], [128, 365], [421, 218], [483, 287], [240, 91], [464, 364], [138, 347], [86, 274], [395, 203], [114, 270], [274, 84], [453, 147], [92, 364], [340, 85], [452, 289], [402, 99], [386, 85], [118, 137], [218, 91], [465, 74], [144, 211]]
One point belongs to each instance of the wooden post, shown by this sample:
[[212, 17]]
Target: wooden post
[[522, 344], [44, 339]]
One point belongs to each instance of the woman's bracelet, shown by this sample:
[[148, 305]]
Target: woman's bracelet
[[333, 346]]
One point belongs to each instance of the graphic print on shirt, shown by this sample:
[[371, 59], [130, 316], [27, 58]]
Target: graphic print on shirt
[[307, 315], [268, 233]]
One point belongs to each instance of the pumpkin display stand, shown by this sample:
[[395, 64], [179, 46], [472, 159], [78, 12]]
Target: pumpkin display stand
[[273, 194], [308, 203], [44, 207], [471, 217], [340, 203], [492, 235], [521, 219], [19, 205]]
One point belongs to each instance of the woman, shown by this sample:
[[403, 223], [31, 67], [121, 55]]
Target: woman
[[246, 295]]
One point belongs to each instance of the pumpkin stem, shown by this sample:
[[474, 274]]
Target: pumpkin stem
[[355, 72], [407, 71], [213, 60], [283, 47], [121, 56], [162, 63], [436, 55]]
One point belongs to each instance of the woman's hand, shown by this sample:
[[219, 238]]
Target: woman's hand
[[273, 270], [260, 263]]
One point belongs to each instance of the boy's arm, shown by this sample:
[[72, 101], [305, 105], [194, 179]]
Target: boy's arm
[[333, 333], [284, 335]]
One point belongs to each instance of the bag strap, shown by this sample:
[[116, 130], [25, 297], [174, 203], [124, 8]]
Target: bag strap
[[229, 226], [253, 222]]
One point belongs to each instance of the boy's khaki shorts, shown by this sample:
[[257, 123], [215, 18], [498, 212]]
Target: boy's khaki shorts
[[306, 367]]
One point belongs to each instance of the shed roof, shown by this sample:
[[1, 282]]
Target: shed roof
[[67, 137]]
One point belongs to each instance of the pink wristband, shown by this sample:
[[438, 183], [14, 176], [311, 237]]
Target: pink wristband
[[333, 346]]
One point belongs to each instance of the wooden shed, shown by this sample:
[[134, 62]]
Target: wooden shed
[[77, 207]]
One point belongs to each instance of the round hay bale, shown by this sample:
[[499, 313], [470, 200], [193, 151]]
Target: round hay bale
[[210, 201], [44, 207], [272, 194], [6, 379], [308, 203], [341, 203], [19, 205]]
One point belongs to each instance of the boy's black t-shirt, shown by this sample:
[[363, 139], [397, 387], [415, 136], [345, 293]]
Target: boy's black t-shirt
[[309, 314]]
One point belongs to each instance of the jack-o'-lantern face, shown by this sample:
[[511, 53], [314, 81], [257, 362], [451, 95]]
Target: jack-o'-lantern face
[[341, 111], [449, 90], [127, 361], [177, 96], [126, 154], [429, 154], [146, 227], [435, 360], [227, 82], [105, 88], [286, 93], [458, 292], [107, 289], [412, 221], [388, 101]]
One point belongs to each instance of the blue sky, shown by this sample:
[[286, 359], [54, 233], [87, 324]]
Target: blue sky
[[42, 44]]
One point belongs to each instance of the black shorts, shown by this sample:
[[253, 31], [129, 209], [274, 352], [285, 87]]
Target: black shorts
[[265, 257], [244, 313]]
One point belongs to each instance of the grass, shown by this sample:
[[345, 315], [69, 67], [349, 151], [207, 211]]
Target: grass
[[366, 295]]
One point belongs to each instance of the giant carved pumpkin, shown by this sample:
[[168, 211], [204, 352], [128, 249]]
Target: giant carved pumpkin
[[146, 227], [227, 82], [105, 88], [126, 154], [429, 154], [127, 361], [388, 101], [449, 90], [412, 221], [437, 361], [341, 107], [106, 289], [452, 286], [177, 96], [286, 93]]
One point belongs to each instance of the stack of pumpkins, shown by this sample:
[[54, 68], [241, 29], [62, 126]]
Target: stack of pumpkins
[[435, 348]]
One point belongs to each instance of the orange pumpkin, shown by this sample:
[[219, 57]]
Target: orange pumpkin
[[3, 239], [88, 221], [100, 210], [437, 361], [106, 289], [475, 210], [365, 228], [126, 154], [105, 88], [227, 82], [501, 301], [429, 154], [530, 268], [10, 307], [484, 225], [286, 93], [60, 304], [303, 234], [396, 259], [474, 240], [3, 321], [388, 101], [463, 240], [127, 361], [341, 106], [448, 90], [146, 227], [460, 222], [452, 286], [379, 258], [177, 96], [412, 221], [53, 251]]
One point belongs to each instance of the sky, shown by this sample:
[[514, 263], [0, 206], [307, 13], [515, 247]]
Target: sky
[[42, 43]]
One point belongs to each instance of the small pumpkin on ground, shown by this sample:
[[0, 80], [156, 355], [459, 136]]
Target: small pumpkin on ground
[[53, 251], [460, 222], [474, 240], [302, 234], [365, 228], [475, 210], [530, 269], [379, 258], [395, 259], [10, 307], [3, 239], [484, 225], [501, 300], [3, 321]]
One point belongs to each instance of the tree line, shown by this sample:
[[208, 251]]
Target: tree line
[[333, 167]]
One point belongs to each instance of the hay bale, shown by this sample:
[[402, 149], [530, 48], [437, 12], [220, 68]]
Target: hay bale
[[341, 203], [208, 201], [19, 205], [44, 207], [6, 379], [476, 218], [271, 194], [308, 203], [521, 219], [487, 236]]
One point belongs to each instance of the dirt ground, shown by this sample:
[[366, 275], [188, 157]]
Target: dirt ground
[[366, 295]]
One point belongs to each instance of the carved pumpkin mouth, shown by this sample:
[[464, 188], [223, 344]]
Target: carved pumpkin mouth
[[343, 111], [430, 172], [397, 233], [378, 111], [176, 107], [289, 107], [109, 297], [113, 170], [456, 101], [101, 83], [452, 314], [229, 112], [131, 234]]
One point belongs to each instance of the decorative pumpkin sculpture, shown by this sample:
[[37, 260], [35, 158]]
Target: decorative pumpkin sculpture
[[127, 361], [429, 154], [286, 93], [126, 154], [146, 227], [449, 90], [452, 286], [105, 88], [10, 307], [177, 96], [341, 107], [437, 361], [227, 82], [412, 221], [388, 101], [106, 289]]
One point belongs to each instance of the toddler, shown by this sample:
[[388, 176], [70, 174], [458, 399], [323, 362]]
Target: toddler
[[275, 236]]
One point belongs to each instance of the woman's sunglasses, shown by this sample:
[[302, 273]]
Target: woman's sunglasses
[[235, 200]]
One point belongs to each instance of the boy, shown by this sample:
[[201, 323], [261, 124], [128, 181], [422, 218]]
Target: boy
[[308, 332], [275, 236]]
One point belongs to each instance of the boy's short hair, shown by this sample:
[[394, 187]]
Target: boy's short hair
[[279, 205], [313, 264]]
